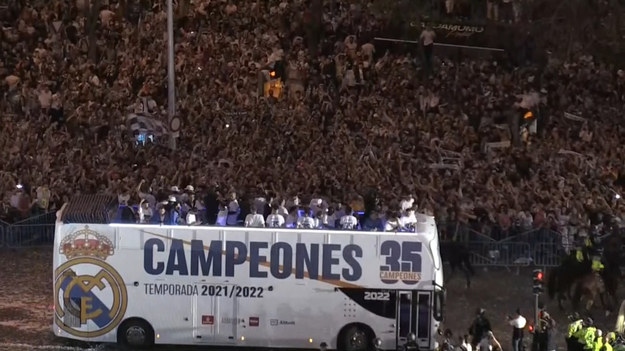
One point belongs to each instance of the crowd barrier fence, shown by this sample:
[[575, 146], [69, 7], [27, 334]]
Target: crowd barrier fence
[[500, 254], [35, 231], [2, 233]]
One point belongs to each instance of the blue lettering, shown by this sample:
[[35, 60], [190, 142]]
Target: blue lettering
[[256, 259], [329, 261], [148, 256], [305, 262], [287, 265], [200, 259], [350, 252], [234, 258], [177, 260]]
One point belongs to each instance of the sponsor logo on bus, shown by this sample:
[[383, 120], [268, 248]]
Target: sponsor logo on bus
[[90, 295], [277, 322], [254, 321], [208, 320], [230, 320], [402, 262]]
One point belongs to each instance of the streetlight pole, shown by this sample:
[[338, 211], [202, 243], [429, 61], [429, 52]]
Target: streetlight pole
[[171, 74]]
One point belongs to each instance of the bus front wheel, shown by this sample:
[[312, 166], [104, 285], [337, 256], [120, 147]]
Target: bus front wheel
[[356, 338], [135, 333]]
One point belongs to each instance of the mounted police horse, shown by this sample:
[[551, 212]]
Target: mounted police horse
[[584, 278]]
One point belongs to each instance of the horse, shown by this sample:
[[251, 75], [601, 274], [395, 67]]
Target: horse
[[458, 255], [561, 278], [589, 288]]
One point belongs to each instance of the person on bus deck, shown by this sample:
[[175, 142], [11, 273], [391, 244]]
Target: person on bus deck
[[282, 209], [188, 190], [306, 221], [275, 220], [176, 214], [163, 217], [175, 193], [338, 214], [406, 202], [192, 217], [349, 221], [393, 223], [316, 204], [409, 219], [318, 217], [233, 209], [254, 219], [374, 222], [328, 221], [145, 212], [222, 215], [291, 219]]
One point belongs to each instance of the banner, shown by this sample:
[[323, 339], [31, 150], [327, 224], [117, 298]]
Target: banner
[[474, 35]]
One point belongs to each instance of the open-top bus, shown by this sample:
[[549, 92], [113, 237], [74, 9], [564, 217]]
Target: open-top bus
[[140, 285]]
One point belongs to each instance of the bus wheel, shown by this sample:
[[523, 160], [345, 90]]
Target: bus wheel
[[135, 333], [355, 338]]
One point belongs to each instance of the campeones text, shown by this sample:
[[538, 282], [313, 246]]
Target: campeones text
[[281, 260]]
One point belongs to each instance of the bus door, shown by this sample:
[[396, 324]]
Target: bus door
[[413, 316], [216, 317]]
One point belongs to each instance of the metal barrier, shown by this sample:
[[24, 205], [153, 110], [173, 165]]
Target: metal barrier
[[548, 254], [2, 231], [32, 232], [500, 254]]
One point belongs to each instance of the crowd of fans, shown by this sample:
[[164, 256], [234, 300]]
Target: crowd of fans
[[352, 116]]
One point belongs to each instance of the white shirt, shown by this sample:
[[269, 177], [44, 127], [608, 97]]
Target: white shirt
[[392, 225], [306, 223], [143, 213], [222, 217], [233, 212], [484, 345], [283, 211], [409, 220], [519, 322], [275, 220], [191, 218], [348, 222], [428, 37], [255, 220], [466, 346]]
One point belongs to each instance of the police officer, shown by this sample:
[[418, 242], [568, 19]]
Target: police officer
[[586, 333], [609, 341], [575, 327], [598, 344]]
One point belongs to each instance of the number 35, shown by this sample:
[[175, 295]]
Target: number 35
[[404, 257]]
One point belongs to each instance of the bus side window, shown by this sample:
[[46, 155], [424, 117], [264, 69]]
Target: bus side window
[[439, 301]]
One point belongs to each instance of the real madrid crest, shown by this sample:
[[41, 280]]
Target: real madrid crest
[[90, 295]]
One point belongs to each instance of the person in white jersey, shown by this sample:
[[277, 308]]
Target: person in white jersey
[[306, 221], [275, 219], [348, 221], [233, 209], [254, 219], [409, 219], [222, 215], [393, 223]]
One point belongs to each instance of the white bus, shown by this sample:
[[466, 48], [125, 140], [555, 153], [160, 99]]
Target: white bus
[[140, 285]]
